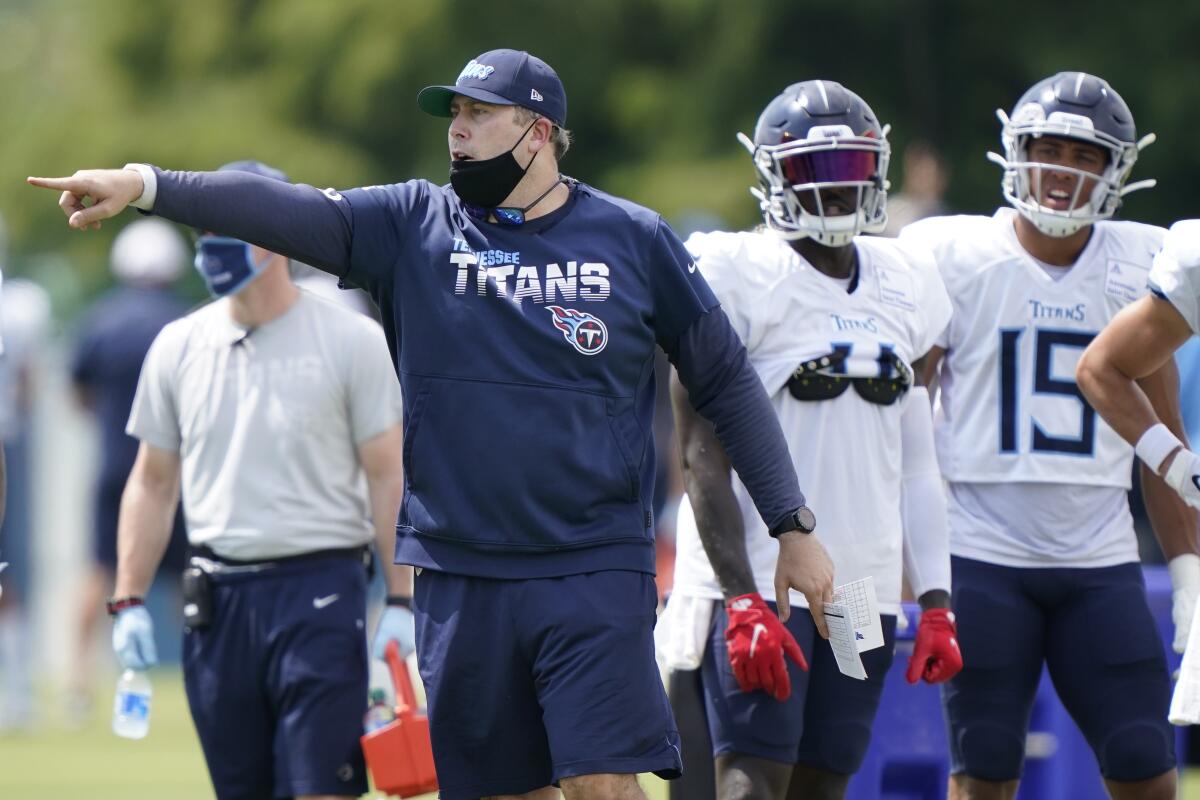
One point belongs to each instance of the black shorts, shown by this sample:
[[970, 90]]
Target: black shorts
[[531, 681], [277, 684], [825, 723], [1093, 630]]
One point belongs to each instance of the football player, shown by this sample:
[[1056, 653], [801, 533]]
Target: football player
[[1044, 558], [833, 322]]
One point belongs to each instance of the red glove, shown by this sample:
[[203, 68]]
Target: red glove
[[936, 656], [757, 641]]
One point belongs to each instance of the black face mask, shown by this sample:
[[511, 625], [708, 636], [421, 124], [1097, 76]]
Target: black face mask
[[486, 183]]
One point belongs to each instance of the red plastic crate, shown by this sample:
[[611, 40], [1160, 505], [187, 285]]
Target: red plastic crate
[[399, 755]]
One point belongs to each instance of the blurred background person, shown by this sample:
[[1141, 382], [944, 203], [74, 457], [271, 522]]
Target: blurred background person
[[325, 285], [24, 323], [147, 258], [922, 194]]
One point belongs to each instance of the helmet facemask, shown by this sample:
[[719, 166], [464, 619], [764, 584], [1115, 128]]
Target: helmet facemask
[[831, 157], [1023, 178]]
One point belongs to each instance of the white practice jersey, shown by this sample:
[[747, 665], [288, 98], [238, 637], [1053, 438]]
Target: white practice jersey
[[1037, 477], [846, 451], [1175, 275], [267, 424]]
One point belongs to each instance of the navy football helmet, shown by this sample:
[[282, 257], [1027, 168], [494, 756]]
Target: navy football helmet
[[1073, 105], [819, 135]]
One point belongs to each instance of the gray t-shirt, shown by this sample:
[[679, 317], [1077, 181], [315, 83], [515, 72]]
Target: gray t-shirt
[[267, 423]]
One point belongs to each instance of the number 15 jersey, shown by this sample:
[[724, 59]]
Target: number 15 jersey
[[1016, 439]]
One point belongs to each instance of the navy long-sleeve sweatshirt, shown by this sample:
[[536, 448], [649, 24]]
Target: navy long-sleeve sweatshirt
[[526, 357]]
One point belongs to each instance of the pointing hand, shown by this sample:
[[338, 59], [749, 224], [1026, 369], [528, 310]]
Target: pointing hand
[[110, 191]]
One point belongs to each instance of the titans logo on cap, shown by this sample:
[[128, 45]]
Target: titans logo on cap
[[585, 331]]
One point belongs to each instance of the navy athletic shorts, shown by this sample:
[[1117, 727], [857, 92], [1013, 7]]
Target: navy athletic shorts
[[1093, 630], [277, 684], [531, 681], [825, 724]]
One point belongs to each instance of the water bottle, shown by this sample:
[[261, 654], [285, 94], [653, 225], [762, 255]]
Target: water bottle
[[131, 705], [379, 713]]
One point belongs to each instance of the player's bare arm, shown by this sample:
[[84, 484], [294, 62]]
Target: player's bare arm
[[1174, 522], [1138, 341], [147, 510], [706, 474], [712, 363], [926, 369]]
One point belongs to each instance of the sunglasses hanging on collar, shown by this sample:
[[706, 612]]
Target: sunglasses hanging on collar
[[507, 216], [817, 379]]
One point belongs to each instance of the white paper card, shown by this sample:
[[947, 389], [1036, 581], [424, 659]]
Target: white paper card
[[1185, 701], [842, 641], [863, 606]]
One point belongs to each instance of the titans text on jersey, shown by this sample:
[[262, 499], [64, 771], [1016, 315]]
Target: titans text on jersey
[[846, 450], [552, 283]]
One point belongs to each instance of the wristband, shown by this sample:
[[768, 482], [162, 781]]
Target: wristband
[[1185, 572], [145, 201], [115, 605], [399, 600], [1155, 445]]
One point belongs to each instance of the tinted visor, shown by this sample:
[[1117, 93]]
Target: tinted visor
[[829, 166]]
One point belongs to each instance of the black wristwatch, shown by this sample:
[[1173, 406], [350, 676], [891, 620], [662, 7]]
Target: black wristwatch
[[802, 519]]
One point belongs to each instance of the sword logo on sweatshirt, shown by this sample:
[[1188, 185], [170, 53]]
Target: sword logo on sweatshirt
[[586, 332]]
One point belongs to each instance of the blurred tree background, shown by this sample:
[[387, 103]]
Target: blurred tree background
[[324, 89]]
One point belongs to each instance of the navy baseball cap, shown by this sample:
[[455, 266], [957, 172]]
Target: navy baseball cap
[[504, 77], [255, 167]]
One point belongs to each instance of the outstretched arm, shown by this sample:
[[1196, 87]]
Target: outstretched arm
[[296, 220]]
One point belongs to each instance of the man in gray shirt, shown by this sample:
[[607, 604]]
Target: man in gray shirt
[[269, 405]]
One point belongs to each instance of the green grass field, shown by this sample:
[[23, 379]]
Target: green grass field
[[53, 763]]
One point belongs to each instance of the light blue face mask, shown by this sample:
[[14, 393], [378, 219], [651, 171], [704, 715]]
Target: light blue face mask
[[227, 264]]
